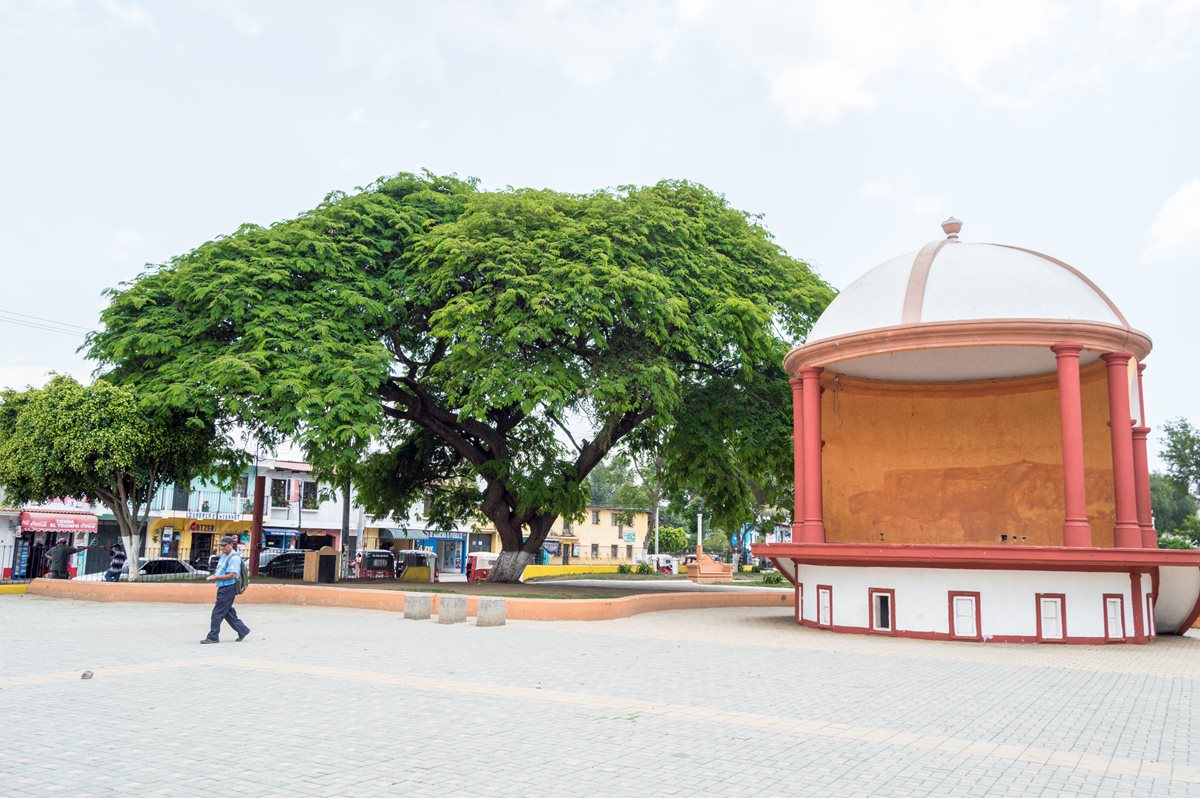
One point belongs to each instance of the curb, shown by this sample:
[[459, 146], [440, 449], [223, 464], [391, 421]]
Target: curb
[[519, 609]]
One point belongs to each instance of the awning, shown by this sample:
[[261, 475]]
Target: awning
[[403, 534], [58, 522], [286, 533]]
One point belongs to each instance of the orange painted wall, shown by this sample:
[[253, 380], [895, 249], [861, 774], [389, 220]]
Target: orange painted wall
[[963, 463]]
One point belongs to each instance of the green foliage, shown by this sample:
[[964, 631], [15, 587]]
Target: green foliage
[[1170, 502], [645, 568], [421, 308], [671, 538], [1182, 453], [1170, 540], [105, 442], [624, 568], [716, 542], [772, 578]]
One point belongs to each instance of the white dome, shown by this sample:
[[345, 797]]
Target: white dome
[[962, 282], [928, 315]]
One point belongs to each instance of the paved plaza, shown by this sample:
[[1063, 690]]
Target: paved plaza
[[738, 702]]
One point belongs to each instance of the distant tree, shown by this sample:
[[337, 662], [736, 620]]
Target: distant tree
[[465, 327], [1170, 502], [672, 539], [105, 442], [1181, 451]]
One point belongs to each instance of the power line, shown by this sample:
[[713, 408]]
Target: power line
[[45, 328], [55, 322]]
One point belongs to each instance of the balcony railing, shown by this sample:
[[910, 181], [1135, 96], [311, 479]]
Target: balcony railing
[[168, 500]]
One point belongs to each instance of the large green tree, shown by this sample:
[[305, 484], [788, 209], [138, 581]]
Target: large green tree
[[1171, 503], [1181, 451], [472, 336], [104, 442]]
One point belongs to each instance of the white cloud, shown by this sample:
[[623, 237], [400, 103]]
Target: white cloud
[[130, 14], [1175, 231], [876, 189], [125, 245]]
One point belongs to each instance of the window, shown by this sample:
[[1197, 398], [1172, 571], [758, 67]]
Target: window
[[616, 518], [566, 527], [311, 497], [629, 552], [242, 486], [595, 551], [883, 608], [1051, 617], [595, 517], [279, 492], [964, 615], [1114, 616], [614, 552], [824, 606]]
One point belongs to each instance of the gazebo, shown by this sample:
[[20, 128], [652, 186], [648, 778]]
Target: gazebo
[[970, 458]]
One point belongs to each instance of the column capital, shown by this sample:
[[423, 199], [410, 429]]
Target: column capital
[[1066, 349], [809, 372], [795, 382], [1113, 358], [1141, 368]]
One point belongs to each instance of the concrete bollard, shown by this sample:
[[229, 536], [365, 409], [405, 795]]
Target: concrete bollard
[[490, 612], [452, 609], [418, 606]]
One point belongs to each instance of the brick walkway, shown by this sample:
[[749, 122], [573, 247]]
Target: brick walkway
[[331, 702]]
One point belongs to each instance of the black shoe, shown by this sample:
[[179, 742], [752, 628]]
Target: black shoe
[[242, 636], [206, 641]]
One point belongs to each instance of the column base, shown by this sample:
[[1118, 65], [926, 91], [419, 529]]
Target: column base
[[812, 532], [1077, 534], [1127, 536], [1149, 538]]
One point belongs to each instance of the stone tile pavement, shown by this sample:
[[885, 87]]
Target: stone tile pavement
[[737, 702]]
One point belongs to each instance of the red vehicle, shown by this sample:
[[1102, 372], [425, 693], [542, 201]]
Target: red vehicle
[[479, 565], [375, 564]]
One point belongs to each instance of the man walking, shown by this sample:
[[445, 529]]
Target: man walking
[[226, 576], [60, 557]]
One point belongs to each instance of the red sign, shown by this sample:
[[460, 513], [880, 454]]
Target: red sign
[[56, 522]]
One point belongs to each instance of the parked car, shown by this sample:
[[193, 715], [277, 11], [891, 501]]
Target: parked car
[[154, 568], [287, 565]]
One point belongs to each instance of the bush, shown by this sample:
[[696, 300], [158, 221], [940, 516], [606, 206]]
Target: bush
[[772, 578], [624, 568], [1170, 540], [645, 568]]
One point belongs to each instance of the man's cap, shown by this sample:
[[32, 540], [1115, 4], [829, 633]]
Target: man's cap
[[230, 539]]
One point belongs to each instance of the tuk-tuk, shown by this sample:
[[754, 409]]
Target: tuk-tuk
[[375, 564], [663, 563], [479, 565], [417, 565]]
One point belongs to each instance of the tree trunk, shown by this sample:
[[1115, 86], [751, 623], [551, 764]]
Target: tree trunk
[[510, 566]]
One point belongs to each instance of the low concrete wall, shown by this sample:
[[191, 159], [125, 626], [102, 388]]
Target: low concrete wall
[[519, 609], [532, 571]]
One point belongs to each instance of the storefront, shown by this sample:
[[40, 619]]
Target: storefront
[[39, 530], [193, 536], [450, 547]]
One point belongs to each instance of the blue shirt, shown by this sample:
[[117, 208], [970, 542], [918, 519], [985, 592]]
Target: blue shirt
[[230, 563]]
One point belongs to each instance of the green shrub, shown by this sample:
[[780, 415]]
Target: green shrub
[[624, 568], [645, 568], [772, 578]]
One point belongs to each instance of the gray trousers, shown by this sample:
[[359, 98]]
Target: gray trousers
[[223, 611]]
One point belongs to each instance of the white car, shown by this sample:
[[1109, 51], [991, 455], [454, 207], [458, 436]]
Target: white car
[[153, 569]]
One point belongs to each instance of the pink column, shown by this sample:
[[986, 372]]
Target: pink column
[[798, 460], [1076, 530], [1141, 487], [1126, 532], [1141, 470], [814, 522]]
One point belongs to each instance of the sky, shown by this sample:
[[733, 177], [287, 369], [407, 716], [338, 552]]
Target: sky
[[135, 131]]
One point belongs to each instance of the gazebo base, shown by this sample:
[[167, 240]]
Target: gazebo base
[[1007, 594]]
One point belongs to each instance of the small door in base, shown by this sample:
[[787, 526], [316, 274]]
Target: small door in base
[[964, 617], [1114, 618], [825, 606], [1051, 612]]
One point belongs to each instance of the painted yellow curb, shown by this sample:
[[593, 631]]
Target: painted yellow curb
[[519, 609], [20, 588]]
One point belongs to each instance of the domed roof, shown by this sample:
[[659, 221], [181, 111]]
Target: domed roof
[[950, 280], [954, 297]]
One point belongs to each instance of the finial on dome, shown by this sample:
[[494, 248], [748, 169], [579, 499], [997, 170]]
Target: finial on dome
[[951, 227]]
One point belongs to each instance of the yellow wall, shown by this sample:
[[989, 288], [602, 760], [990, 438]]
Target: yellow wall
[[962, 463]]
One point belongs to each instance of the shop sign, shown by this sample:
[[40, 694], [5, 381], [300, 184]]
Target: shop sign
[[214, 516], [630, 536], [53, 522], [551, 547]]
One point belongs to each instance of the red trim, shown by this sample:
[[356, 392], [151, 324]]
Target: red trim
[[828, 588], [1135, 591], [798, 601], [64, 522], [1108, 632], [1025, 558], [1062, 616], [891, 593], [950, 597], [859, 630]]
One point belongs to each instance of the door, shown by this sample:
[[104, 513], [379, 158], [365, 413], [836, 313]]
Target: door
[[1150, 630], [964, 609], [1114, 618], [825, 606], [1051, 617]]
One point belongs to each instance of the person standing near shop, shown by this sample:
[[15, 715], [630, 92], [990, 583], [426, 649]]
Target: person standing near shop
[[59, 556], [226, 577], [116, 564]]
